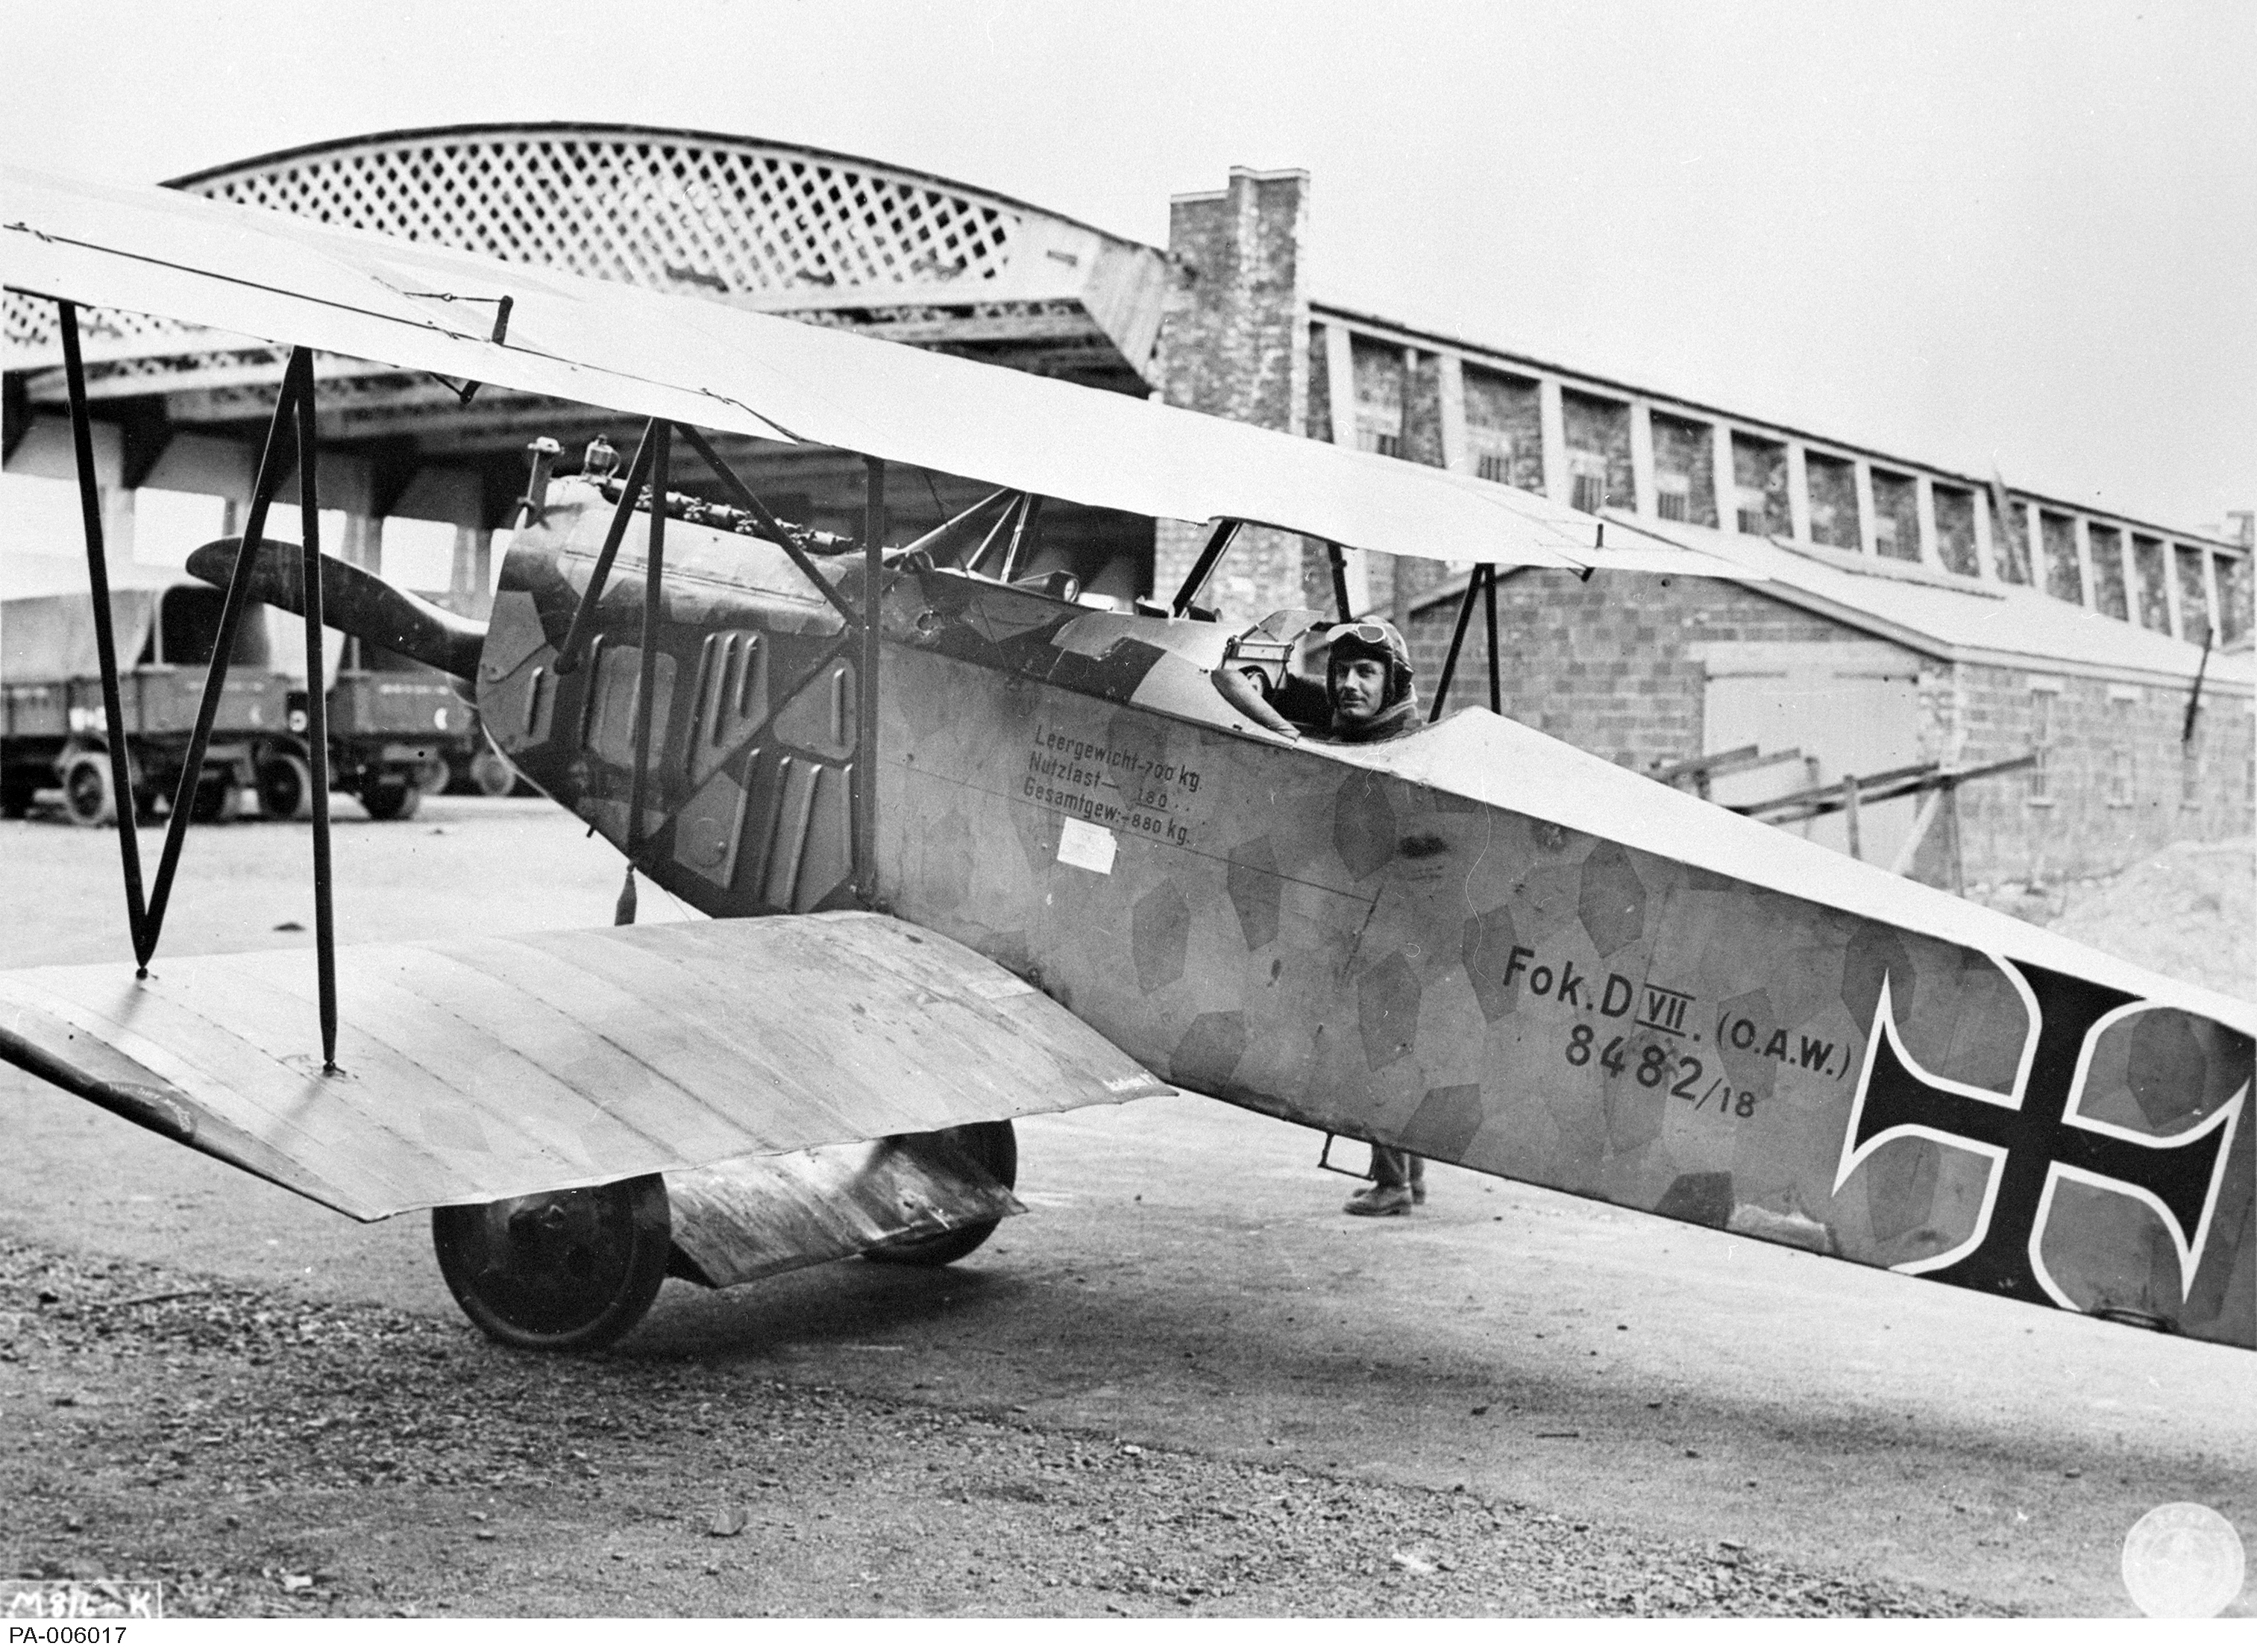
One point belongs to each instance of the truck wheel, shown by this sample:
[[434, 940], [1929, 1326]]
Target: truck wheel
[[285, 787], [994, 1148], [390, 798], [88, 797], [218, 799], [561, 1272], [492, 775], [431, 776]]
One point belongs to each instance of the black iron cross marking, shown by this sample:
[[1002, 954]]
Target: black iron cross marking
[[2035, 1137]]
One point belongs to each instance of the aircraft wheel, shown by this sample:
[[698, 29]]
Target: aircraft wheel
[[390, 799], [285, 787], [89, 798], [994, 1147], [561, 1272]]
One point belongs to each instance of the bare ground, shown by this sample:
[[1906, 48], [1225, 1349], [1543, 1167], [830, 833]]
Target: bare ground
[[267, 1454]]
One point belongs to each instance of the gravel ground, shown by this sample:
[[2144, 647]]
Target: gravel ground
[[265, 1454]]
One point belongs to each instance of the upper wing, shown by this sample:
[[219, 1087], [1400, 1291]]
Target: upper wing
[[486, 1070], [244, 270]]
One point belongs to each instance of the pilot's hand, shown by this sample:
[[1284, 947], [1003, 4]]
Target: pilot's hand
[[1243, 690]]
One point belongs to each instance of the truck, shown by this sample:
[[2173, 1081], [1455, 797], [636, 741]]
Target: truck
[[397, 727]]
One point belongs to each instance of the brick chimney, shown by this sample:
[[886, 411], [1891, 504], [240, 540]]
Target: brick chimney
[[1235, 344]]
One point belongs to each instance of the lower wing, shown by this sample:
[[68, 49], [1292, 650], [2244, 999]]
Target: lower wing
[[490, 1069]]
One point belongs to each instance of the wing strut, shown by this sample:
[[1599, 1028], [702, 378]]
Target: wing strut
[[295, 405], [1202, 570], [863, 783], [584, 616], [1481, 582], [105, 635]]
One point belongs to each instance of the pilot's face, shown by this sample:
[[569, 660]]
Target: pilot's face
[[1359, 689]]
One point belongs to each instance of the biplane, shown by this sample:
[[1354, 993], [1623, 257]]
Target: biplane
[[975, 848]]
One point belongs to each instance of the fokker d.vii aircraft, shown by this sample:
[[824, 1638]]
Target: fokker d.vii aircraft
[[976, 849]]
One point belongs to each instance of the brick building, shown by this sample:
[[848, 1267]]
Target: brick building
[[1894, 612]]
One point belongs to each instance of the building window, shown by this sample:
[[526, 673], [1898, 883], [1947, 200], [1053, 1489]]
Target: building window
[[1378, 372], [1673, 496], [1896, 515], [2155, 601], [1589, 478], [2063, 577], [1955, 530], [2108, 571], [2194, 599], [1685, 463], [1493, 467], [1504, 416], [1759, 484], [1598, 436], [1833, 501], [2040, 772], [2233, 595]]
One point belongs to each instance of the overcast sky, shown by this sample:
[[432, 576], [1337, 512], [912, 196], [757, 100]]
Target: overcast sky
[[2020, 233]]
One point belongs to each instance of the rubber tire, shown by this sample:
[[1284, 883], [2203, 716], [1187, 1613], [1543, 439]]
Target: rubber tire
[[285, 787], [558, 1273], [994, 1147], [431, 776], [89, 798], [390, 799], [492, 774], [217, 800]]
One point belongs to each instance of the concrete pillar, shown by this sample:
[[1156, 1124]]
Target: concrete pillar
[[117, 526], [2209, 592], [1869, 529], [2171, 589], [2083, 529], [1236, 346], [1641, 458], [1923, 506], [1450, 368], [2131, 573], [1798, 493], [1727, 479], [2033, 530], [363, 542], [1552, 416], [473, 575]]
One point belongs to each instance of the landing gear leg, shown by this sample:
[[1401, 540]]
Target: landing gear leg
[[561, 1272]]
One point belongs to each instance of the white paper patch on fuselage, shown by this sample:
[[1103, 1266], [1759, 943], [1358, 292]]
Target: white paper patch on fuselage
[[1091, 847]]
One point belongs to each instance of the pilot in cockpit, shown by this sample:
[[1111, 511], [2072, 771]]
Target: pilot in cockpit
[[1271, 674], [1345, 683]]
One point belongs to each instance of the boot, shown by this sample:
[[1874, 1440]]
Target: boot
[[1381, 1199], [1391, 1192]]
